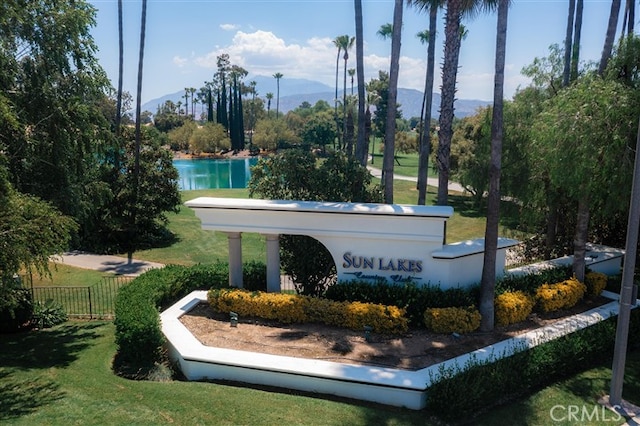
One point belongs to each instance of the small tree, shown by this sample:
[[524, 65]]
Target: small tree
[[271, 134], [295, 175], [211, 137]]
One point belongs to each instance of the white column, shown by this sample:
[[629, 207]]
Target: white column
[[273, 263], [235, 259]]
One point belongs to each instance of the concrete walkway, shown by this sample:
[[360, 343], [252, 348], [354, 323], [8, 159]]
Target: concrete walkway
[[105, 263], [453, 186]]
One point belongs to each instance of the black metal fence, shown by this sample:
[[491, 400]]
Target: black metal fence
[[93, 302], [98, 300]]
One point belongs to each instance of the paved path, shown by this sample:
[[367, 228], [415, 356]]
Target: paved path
[[105, 263], [453, 186]]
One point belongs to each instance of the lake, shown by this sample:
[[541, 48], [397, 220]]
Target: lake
[[214, 174]]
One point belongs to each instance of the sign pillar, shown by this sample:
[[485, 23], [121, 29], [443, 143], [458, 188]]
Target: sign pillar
[[273, 263], [235, 259]]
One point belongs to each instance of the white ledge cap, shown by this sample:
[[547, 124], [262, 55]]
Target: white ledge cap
[[322, 207]]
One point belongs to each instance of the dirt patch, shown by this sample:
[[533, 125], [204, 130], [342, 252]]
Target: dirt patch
[[412, 351]]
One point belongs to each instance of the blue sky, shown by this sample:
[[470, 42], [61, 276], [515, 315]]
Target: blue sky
[[295, 38]]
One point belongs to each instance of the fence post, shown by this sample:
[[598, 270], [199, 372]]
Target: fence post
[[90, 305]]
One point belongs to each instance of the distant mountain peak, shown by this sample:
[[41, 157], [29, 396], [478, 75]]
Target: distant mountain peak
[[295, 91]]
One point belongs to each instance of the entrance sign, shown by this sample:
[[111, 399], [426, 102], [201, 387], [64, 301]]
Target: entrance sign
[[368, 242]]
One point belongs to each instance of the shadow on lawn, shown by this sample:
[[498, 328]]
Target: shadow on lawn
[[33, 351], [56, 347], [21, 397]]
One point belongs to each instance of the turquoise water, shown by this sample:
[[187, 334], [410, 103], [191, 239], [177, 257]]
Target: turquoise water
[[214, 174]]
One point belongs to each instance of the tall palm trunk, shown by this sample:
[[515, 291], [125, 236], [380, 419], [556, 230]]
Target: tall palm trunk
[[580, 239], [575, 53], [361, 144], [425, 135], [488, 283], [566, 74], [120, 69], [449, 75], [335, 100], [392, 107], [346, 141], [119, 98], [611, 33], [136, 167]]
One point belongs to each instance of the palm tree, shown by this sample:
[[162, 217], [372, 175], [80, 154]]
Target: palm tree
[[269, 97], [342, 43], [575, 51], [120, 71], [455, 9], [138, 136], [352, 74], [488, 282], [345, 48], [611, 33], [362, 145], [186, 101], [568, 40], [192, 90], [630, 16], [278, 76], [385, 31], [425, 118], [392, 107]]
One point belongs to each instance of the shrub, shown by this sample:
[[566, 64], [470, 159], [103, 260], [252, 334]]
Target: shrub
[[138, 334], [459, 390], [452, 320], [531, 281], [595, 282], [47, 314], [512, 306], [415, 299], [254, 276], [562, 295], [16, 308], [289, 308]]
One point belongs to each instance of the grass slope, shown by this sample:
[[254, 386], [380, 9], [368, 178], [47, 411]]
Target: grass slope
[[62, 376]]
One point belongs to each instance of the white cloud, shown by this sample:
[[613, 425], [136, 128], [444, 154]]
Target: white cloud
[[229, 27], [264, 53], [179, 61]]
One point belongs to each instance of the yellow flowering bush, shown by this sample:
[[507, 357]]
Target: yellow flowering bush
[[512, 306], [286, 308], [595, 282], [565, 294], [382, 318], [452, 320], [289, 308]]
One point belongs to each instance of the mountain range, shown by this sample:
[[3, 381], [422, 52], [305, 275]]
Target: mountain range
[[295, 91]]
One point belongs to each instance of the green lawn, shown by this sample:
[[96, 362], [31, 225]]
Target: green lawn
[[68, 276], [63, 376]]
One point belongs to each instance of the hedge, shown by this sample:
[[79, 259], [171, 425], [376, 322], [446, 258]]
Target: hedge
[[137, 319]]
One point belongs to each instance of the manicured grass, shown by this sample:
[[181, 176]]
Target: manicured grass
[[404, 164], [197, 246], [64, 275], [63, 376], [572, 401]]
